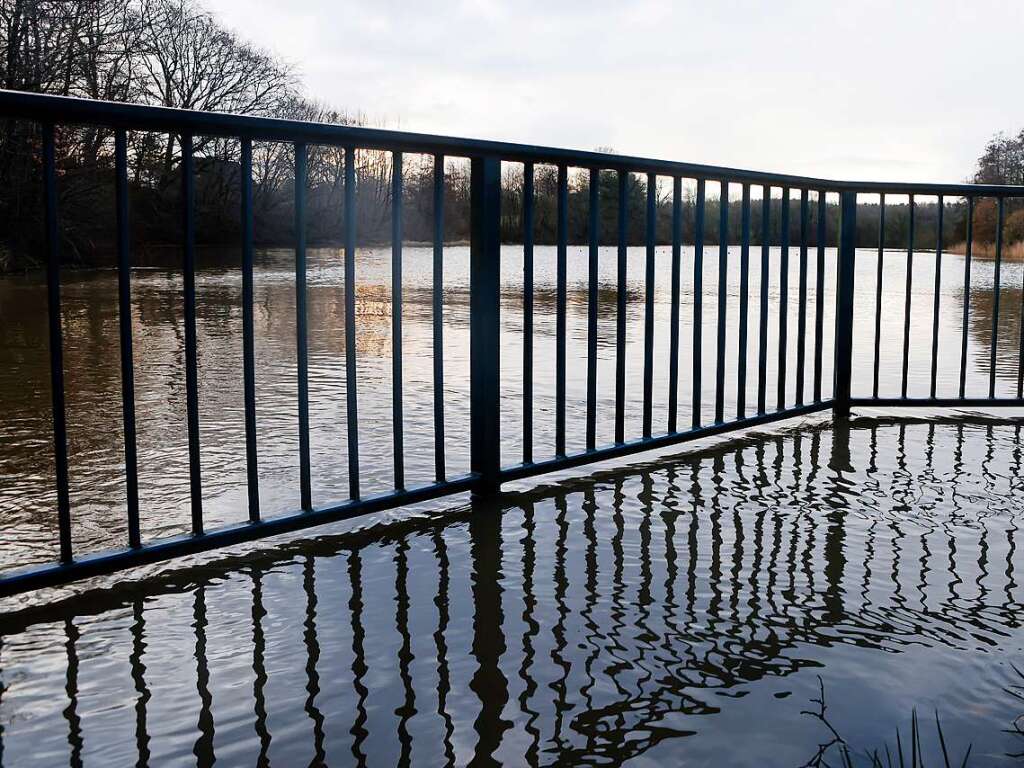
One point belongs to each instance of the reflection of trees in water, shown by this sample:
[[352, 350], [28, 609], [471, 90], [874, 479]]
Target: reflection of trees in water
[[92, 366], [982, 313], [676, 575]]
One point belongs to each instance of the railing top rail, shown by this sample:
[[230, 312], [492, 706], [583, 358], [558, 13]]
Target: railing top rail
[[66, 109]]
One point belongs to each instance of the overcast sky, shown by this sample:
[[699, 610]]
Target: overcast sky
[[856, 89]]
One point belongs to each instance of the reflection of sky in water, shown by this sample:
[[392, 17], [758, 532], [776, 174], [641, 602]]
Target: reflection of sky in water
[[97, 487], [678, 612]]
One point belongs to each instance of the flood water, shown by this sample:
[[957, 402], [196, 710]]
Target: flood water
[[681, 611]]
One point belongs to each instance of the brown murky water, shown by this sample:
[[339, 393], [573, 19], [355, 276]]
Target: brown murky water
[[682, 611]]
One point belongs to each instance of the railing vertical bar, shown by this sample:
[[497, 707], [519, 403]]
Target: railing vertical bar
[[783, 296], [996, 291], [801, 321], [879, 273], [673, 333], [397, 419], [698, 299], [124, 312], [485, 326], [938, 288], [819, 295], [562, 234], [762, 343], [651, 226], [528, 313], [351, 401], [1020, 352], [906, 305], [301, 325], [438, 319], [723, 295], [845, 286], [967, 297], [248, 334], [593, 237], [620, 314], [741, 354], [60, 437], [191, 364]]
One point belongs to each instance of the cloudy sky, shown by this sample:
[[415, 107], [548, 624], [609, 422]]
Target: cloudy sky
[[858, 89]]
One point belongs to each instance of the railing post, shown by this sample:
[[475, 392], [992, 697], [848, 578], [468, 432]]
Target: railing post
[[844, 304], [484, 342]]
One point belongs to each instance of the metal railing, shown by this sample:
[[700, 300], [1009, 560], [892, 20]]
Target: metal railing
[[486, 471]]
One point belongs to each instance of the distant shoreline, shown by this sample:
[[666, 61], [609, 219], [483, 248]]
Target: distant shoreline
[[987, 251]]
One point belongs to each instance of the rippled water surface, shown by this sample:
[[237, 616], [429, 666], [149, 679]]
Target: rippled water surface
[[28, 497], [680, 612]]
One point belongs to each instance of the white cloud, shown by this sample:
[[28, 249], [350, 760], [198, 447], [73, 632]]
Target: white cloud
[[866, 89]]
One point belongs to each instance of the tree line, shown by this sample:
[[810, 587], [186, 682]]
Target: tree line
[[174, 53]]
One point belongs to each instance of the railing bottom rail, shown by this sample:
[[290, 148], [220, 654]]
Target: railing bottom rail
[[631, 447], [108, 562]]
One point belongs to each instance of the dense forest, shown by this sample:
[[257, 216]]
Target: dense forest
[[174, 53]]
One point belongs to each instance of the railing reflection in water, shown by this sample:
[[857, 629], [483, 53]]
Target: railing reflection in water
[[591, 622]]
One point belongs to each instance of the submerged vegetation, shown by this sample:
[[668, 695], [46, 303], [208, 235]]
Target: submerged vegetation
[[905, 751]]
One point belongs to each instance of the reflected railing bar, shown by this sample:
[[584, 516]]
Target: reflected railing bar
[[260, 679], [301, 326], [191, 362], [592, 630], [204, 744], [359, 667], [801, 318], [996, 291], [407, 709], [398, 439], [967, 295], [879, 274], [558, 631], [138, 674], [124, 316], [248, 333], [937, 291], [76, 742], [3, 688], [437, 308], [312, 643], [528, 616], [441, 602]]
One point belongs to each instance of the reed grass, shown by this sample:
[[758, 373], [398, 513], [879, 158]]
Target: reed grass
[[910, 754], [1011, 251]]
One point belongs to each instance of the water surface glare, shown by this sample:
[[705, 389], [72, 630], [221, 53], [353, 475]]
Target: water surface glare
[[98, 505], [680, 612]]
